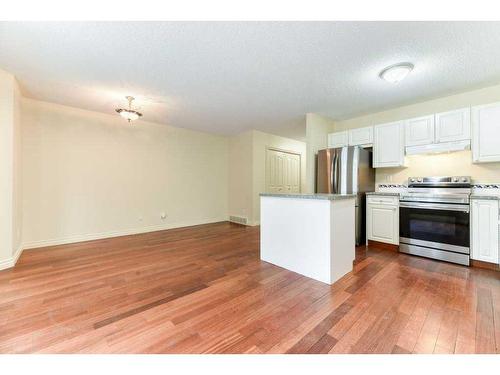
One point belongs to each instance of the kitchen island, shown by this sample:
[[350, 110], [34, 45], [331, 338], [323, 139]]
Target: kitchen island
[[311, 234]]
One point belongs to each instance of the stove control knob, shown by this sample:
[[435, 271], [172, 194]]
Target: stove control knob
[[464, 179], [412, 180], [454, 179], [419, 179]]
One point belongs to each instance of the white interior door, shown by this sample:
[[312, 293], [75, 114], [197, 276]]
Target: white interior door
[[282, 172]]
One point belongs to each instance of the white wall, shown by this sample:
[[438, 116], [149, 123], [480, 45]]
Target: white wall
[[10, 165], [90, 175], [6, 164], [447, 164], [317, 129], [444, 164], [241, 176], [17, 213]]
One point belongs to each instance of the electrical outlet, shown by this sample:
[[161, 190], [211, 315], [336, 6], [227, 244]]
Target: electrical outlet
[[140, 218]]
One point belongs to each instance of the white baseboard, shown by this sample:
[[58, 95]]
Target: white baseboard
[[17, 254], [125, 232], [11, 262], [6, 263]]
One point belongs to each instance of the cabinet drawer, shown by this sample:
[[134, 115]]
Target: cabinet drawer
[[383, 199]]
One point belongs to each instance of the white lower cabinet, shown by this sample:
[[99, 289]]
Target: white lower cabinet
[[484, 230], [382, 219]]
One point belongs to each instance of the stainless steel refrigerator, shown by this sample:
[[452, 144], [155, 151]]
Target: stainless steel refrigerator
[[347, 170]]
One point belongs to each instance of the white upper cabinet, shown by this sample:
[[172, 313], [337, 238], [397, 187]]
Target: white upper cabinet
[[361, 136], [339, 139], [420, 131], [484, 217], [486, 133], [453, 126], [388, 145], [447, 131]]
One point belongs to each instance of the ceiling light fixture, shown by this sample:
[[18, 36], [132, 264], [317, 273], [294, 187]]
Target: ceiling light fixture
[[396, 73], [129, 114]]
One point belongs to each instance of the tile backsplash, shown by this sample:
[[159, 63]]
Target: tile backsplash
[[477, 188]]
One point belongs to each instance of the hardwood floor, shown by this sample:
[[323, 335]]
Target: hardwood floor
[[204, 290]]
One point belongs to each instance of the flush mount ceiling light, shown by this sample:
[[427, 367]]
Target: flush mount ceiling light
[[129, 114], [396, 73]]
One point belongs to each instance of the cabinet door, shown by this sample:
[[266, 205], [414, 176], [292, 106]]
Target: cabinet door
[[486, 133], [388, 145], [382, 223], [361, 136], [339, 139], [420, 131], [485, 230], [453, 126]]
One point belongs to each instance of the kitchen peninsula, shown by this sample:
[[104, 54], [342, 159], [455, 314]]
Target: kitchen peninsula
[[311, 234]]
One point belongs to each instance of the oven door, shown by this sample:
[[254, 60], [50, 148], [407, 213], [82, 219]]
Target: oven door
[[436, 225]]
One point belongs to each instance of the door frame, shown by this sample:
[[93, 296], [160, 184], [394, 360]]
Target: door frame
[[271, 148]]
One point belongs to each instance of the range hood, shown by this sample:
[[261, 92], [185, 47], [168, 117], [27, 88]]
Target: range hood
[[438, 148]]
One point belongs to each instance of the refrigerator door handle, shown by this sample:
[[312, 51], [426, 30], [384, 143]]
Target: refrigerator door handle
[[334, 171], [335, 174], [332, 174]]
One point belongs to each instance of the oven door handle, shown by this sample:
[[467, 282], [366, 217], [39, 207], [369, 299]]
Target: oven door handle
[[435, 206]]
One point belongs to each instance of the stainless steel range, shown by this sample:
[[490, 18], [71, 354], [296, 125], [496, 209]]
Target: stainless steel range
[[434, 218]]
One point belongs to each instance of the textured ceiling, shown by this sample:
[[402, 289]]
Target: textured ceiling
[[226, 77]]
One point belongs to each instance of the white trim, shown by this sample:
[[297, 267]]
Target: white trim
[[18, 253], [7, 263], [11, 262], [118, 233]]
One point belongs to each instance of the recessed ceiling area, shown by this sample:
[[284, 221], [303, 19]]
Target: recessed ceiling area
[[227, 77]]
